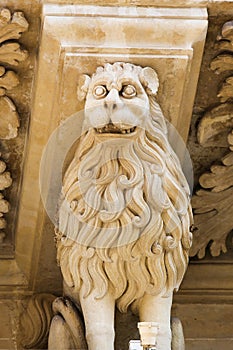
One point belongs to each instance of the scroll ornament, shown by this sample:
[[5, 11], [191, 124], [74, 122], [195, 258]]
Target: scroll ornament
[[35, 321], [11, 28], [213, 210]]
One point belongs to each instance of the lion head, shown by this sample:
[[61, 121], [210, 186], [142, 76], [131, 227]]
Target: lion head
[[117, 97], [125, 213]]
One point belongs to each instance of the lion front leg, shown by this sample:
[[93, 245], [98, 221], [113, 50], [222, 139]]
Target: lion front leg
[[158, 309], [99, 321]]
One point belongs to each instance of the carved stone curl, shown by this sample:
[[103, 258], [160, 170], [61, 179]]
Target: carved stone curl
[[213, 211], [124, 221], [35, 321], [67, 327], [11, 28], [5, 182]]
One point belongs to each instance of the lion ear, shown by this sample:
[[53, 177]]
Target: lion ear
[[83, 84], [149, 80]]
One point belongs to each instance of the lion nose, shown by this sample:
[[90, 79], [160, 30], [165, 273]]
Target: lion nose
[[110, 105], [112, 101]]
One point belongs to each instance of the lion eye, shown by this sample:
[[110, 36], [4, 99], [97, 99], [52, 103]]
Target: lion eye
[[129, 91], [100, 91]]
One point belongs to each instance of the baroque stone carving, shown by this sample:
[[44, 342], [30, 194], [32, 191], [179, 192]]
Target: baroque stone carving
[[213, 209], [212, 205], [67, 327], [224, 60], [124, 219], [35, 321], [69, 318], [11, 28], [5, 181]]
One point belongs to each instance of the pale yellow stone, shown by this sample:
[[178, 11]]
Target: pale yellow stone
[[205, 281], [9, 120], [75, 44]]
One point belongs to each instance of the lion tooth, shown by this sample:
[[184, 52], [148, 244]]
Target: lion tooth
[[128, 131], [123, 131]]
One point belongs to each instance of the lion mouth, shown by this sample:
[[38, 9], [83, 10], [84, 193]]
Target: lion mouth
[[113, 129]]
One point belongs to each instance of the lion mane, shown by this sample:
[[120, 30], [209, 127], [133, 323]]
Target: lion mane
[[125, 215]]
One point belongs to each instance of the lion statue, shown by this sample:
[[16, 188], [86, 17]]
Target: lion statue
[[123, 235]]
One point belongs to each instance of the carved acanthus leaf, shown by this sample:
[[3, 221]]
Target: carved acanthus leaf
[[9, 120], [226, 38], [226, 91], [8, 80], [213, 210], [5, 181], [230, 141], [221, 176], [222, 63], [12, 54], [218, 122], [213, 214], [215, 126], [11, 27]]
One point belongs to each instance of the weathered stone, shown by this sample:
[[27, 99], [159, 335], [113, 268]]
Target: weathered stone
[[215, 125], [35, 322], [206, 294], [212, 207], [112, 228], [9, 120]]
